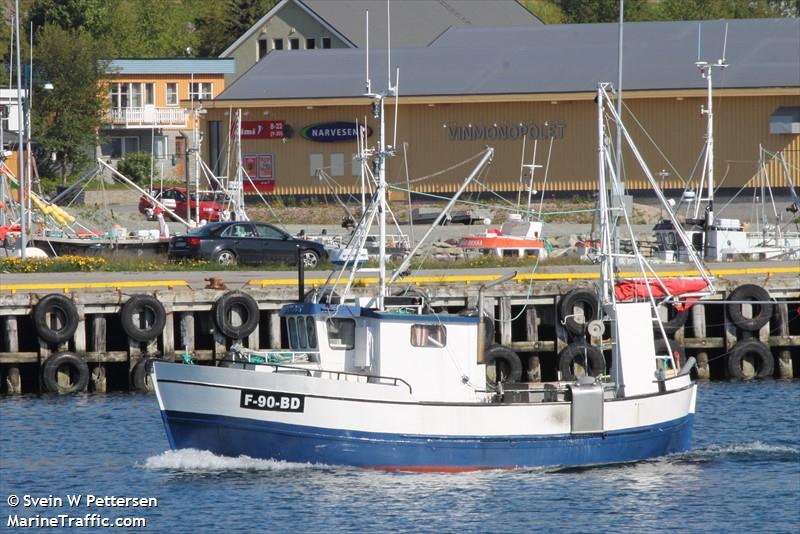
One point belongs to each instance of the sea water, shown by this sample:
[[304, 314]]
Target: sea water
[[742, 474]]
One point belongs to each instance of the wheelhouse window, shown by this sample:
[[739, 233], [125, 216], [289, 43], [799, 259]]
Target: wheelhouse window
[[291, 323], [428, 335], [341, 333], [200, 91], [302, 332], [311, 332]]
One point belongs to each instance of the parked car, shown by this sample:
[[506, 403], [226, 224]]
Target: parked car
[[244, 242], [174, 198]]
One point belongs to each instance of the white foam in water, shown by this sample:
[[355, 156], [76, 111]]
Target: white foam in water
[[193, 460], [753, 448]]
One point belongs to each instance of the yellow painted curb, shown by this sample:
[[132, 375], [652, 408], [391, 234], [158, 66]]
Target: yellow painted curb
[[13, 288]]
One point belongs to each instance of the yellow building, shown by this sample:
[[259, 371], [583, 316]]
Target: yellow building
[[151, 104], [474, 87]]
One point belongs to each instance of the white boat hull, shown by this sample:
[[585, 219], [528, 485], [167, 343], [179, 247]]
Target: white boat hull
[[383, 426]]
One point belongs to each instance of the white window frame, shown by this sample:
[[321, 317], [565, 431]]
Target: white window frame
[[167, 94], [201, 91], [149, 94]]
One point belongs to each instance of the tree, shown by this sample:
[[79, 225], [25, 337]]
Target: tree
[[579, 11], [136, 166], [66, 119], [91, 16], [221, 23], [726, 9]]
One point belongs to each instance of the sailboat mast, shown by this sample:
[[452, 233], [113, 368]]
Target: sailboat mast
[[709, 146], [20, 144]]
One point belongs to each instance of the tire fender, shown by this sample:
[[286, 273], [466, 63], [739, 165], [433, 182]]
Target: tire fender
[[78, 369], [580, 352], [586, 299], [510, 360], [139, 304], [247, 307], [765, 361], [55, 303], [675, 319], [140, 375], [756, 294]]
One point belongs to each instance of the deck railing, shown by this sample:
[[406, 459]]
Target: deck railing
[[148, 116]]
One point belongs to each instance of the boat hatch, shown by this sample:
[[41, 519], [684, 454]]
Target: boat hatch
[[302, 332]]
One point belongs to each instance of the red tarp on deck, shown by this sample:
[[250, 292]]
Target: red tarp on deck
[[637, 288]]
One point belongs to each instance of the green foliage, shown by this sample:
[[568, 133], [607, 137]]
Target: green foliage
[[545, 10], [604, 10], [89, 16], [65, 119], [136, 166], [220, 23], [726, 9]]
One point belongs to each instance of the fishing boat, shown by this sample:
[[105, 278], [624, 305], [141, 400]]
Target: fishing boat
[[516, 238], [379, 383]]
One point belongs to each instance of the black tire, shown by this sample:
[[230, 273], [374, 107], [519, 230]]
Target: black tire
[[678, 351], [675, 320], [504, 362], [310, 258], [67, 314], [764, 360], [225, 257], [247, 308], [77, 369], [488, 326], [576, 353], [141, 375], [584, 298], [761, 311], [154, 314]]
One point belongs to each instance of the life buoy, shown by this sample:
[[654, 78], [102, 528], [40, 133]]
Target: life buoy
[[246, 307], [70, 365], [502, 365], [676, 319], [141, 375], [678, 352], [65, 313], [148, 309], [584, 298], [763, 360], [762, 307], [583, 354]]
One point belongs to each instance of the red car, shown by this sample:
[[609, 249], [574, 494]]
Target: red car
[[174, 198]]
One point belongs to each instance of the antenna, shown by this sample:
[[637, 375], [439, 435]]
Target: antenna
[[388, 46], [369, 84], [724, 45], [396, 104]]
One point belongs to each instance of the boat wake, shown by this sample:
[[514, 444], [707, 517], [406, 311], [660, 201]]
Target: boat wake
[[750, 451], [197, 461]]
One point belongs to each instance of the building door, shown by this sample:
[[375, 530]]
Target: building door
[[180, 155]]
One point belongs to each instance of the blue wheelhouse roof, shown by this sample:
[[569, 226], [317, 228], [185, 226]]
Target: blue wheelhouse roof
[[352, 310]]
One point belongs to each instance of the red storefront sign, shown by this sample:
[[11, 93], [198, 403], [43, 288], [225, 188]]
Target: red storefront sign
[[261, 130]]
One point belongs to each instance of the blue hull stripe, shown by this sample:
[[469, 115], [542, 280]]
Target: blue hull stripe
[[234, 436]]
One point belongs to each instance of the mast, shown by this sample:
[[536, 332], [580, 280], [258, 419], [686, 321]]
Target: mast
[[706, 69], [20, 138], [607, 265]]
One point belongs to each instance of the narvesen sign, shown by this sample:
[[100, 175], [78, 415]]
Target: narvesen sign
[[332, 132]]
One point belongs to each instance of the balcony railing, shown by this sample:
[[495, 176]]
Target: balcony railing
[[148, 117]]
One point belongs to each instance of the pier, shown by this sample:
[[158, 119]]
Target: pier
[[102, 354]]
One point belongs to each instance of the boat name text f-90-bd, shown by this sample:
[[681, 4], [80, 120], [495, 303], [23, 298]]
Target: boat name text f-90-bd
[[268, 400]]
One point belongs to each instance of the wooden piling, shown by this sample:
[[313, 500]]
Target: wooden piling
[[13, 381], [532, 334], [187, 332], [168, 335], [11, 334], [699, 331], [748, 364], [785, 355], [99, 334], [79, 338], [505, 321], [274, 330]]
